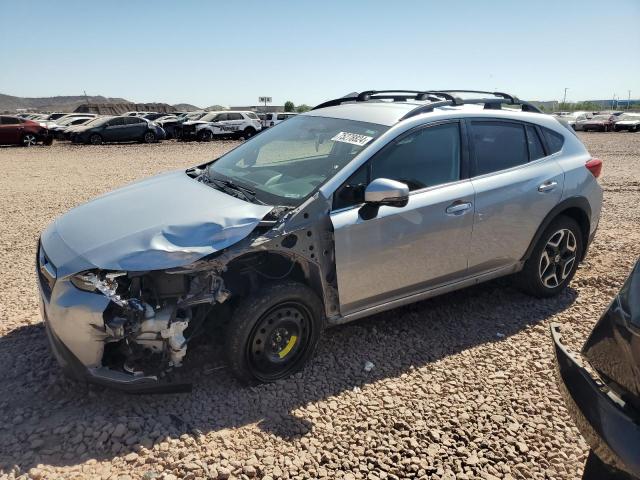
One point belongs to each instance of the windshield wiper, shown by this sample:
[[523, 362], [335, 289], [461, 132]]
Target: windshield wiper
[[247, 193]]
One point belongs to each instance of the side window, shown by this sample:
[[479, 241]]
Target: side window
[[554, 140], [252, 116], [220, 118], [234, 116], [427, 157], [498, 146], [535, 146], [132, 121], [351, 192], [10, 121]]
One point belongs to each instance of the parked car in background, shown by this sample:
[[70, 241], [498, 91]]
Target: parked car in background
[[606, 407], [599, 123], [55, 116], [353, 208], [118, 129], [627, 121], [19, 131], [171, 124], [154, 116], [271, 119], [59, 129], [136, 114], [576, 120], [221, 124]]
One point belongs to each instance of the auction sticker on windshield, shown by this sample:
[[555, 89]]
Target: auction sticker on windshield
[[353, 138]]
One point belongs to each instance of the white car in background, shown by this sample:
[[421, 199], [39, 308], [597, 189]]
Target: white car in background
[[220, 124], [271, 119], [628, 121]]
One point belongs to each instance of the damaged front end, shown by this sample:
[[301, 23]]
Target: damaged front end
[[151, 316]]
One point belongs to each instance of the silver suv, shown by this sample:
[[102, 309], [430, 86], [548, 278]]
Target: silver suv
[[363, 204]]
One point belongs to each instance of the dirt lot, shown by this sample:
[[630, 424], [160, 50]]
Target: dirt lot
[[463, 385]]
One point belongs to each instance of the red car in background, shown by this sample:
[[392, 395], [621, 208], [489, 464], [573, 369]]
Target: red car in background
[[600, 123], [19, 131]]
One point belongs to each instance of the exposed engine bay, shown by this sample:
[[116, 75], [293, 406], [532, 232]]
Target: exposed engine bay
[[152, 315]]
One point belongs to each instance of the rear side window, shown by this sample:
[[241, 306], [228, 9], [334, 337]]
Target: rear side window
[[281, 116], [554, 140], [498, 146], [252, 115], [424, 158], [535, 146], [10, 121], [234, 116]]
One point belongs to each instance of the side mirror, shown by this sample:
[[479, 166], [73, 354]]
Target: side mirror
[[383, 191]]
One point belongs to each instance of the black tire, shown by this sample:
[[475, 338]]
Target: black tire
[[248, 133], [205, 135], [48, 140], [260, 344], [149, 137], [95, 139], [536, 278]]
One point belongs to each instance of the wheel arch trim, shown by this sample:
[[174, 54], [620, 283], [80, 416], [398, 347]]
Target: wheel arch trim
[[576, 207]]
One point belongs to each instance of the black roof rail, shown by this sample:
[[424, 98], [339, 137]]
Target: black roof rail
[[438, 98], [395, 95]]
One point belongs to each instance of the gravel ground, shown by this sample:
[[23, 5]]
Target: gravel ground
[[463, 385]]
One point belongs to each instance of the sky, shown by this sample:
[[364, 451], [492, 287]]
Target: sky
[[231, 52]]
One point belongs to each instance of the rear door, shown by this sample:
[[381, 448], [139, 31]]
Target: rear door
[[134, 129], [10, 130], [516, 184], [400, 251], [235, 121], [112, 132]]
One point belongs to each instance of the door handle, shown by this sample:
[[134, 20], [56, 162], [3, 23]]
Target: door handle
[[547, 186], [458, 208]]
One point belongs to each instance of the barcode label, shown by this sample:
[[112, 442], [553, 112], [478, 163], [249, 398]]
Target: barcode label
[[353, 138]]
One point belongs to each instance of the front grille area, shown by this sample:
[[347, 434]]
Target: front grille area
[[46, 272]]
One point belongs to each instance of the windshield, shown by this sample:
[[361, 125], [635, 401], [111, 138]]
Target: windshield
[[209, 116], [288, 162], [98, 121]]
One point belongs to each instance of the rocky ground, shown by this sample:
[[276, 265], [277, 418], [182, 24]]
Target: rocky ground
[[463, 385]]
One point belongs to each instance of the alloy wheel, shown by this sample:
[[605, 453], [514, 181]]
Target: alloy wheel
[[279, 340], [29, 140], [558, 258]]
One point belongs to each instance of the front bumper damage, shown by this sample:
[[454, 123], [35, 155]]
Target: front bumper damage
[[610, 426], [112, 322]]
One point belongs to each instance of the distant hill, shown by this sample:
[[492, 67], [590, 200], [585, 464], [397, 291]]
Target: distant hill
[[10, 103], [186, 107]]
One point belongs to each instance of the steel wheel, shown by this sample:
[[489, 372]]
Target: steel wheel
[[278, 341], [557, 258], [29, 140]]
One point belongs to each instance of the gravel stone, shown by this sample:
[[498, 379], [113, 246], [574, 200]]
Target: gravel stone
[[463, 386]]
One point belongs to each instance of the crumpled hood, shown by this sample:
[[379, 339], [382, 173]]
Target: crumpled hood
[[163, 222]]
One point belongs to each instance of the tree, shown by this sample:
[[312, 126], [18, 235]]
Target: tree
[[303, 108], [289, 106]]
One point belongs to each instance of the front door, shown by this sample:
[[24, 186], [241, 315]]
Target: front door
[[400, 251]]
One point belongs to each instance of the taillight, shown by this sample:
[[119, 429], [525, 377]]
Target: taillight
[[594, 166]]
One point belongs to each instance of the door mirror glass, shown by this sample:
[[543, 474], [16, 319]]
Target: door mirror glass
[[383, 191]]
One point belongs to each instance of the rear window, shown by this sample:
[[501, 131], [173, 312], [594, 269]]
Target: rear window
[[498, 146], [554, 140]]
